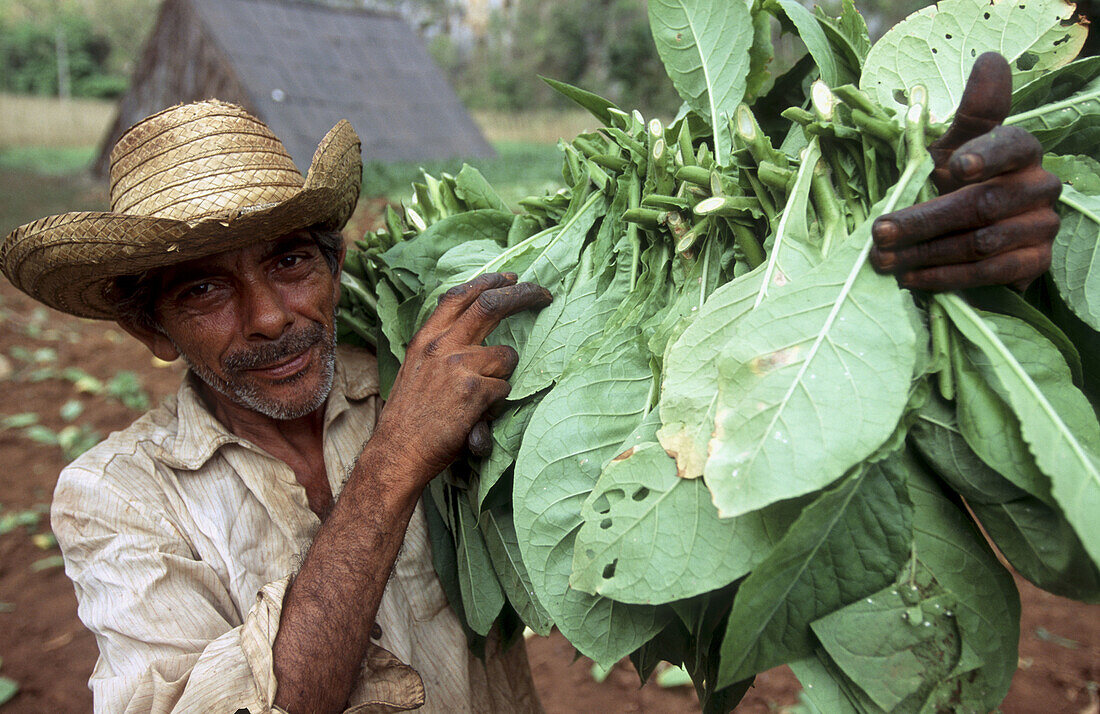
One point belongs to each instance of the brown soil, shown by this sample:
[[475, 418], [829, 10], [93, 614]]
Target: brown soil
[[48, 652]]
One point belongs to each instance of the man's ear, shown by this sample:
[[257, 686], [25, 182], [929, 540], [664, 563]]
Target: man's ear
[[157, 342]]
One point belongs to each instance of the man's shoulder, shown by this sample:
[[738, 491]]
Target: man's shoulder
[[122, 459]]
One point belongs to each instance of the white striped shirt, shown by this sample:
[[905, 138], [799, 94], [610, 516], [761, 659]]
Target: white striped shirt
[[180, 539]]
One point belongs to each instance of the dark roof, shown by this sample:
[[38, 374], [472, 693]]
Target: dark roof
[[306, 66]]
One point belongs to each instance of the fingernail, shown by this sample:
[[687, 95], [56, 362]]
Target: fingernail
[[970, 166], [885, 261], [885, 233]]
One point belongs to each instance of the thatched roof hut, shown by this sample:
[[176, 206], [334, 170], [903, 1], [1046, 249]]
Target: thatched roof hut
[[301, 67]]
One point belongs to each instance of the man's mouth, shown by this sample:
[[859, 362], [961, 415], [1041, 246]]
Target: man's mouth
[[285, 368]]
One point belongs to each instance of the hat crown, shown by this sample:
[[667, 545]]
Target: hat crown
[[200, 160]]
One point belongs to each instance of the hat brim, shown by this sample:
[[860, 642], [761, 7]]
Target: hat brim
[[71, 261]]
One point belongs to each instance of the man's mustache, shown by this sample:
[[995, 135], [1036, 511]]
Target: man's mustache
[[290, 344]]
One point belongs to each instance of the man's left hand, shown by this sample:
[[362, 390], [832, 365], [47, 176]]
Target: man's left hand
[[994, 223]]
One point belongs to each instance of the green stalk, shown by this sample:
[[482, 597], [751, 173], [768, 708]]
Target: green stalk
[[647, 217], [746, 241], [687, 153], [941, 347], [634, 198], [694, 174], [689, 239]]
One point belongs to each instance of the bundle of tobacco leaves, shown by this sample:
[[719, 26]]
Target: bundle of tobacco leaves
[[730, 444]]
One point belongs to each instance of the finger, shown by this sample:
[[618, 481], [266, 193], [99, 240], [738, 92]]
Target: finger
[[480, 439], [985, 102], [1021, 231], [1001, 150], [496, 361], [966, 209], [458, 299], [492, 306], [1017, 268]]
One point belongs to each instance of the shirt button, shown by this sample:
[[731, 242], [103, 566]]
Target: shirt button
[[376, 631]]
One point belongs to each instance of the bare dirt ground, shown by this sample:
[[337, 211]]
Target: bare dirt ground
[[47, 651]]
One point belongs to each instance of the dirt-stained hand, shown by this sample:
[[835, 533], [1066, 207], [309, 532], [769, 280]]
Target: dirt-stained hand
[[994, 223], [449, 379]]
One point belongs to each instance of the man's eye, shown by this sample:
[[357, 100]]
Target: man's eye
[[289, 261], [197, 290]]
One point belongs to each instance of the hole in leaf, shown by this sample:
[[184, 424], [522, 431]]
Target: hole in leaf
[[605, 523], [935, 51], [1026, 61], [973, 52], [986, 15], [606, 500], [947, 36], [609, 569], [901, 96], [1062, 40], [641, 494]]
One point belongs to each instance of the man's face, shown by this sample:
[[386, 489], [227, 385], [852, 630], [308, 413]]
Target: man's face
[[257, 325]]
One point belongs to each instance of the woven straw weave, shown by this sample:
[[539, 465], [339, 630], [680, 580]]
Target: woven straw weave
[[187, 182]]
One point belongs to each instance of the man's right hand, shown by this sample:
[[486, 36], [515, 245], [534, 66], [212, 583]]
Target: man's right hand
[[449, 379]]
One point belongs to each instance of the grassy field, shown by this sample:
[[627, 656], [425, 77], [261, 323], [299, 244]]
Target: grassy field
[[47, 121]]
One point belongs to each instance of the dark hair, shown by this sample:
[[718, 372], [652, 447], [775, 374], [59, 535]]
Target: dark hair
[[135, 295]]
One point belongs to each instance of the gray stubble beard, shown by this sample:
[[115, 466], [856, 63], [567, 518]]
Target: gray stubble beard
[[253, 398]]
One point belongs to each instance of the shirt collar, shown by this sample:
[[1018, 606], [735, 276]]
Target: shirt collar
[[200, 434]]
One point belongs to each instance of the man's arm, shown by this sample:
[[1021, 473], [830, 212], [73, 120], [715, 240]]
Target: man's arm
[[994, 223], [445, 385]]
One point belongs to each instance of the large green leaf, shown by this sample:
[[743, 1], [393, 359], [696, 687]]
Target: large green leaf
[[481, 592], [1080, 172], [503, 545], [821, 692], [705, 49], [848, 34], [1056, 420], [936, 47], [560, 329], [508, 431], [594, 103], [1075, 262], [1068, 126], [582, 422], [850, 542], [414, 261], [689, 391], [990, 426], [906, 629], [477, 193], [1034, 536], [652, 537], [1054, 86], [817, 379], [987, 606], [833, 72]]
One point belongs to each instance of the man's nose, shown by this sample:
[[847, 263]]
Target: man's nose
[[265, 312]]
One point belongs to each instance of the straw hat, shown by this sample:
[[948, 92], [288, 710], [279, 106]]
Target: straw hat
[[190, 181]]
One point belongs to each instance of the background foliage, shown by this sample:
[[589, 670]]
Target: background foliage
[[491, 50]]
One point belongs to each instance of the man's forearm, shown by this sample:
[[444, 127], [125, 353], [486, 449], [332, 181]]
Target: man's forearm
[[329, 609]]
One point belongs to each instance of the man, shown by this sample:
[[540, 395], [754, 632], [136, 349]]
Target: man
[[277, 443]]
